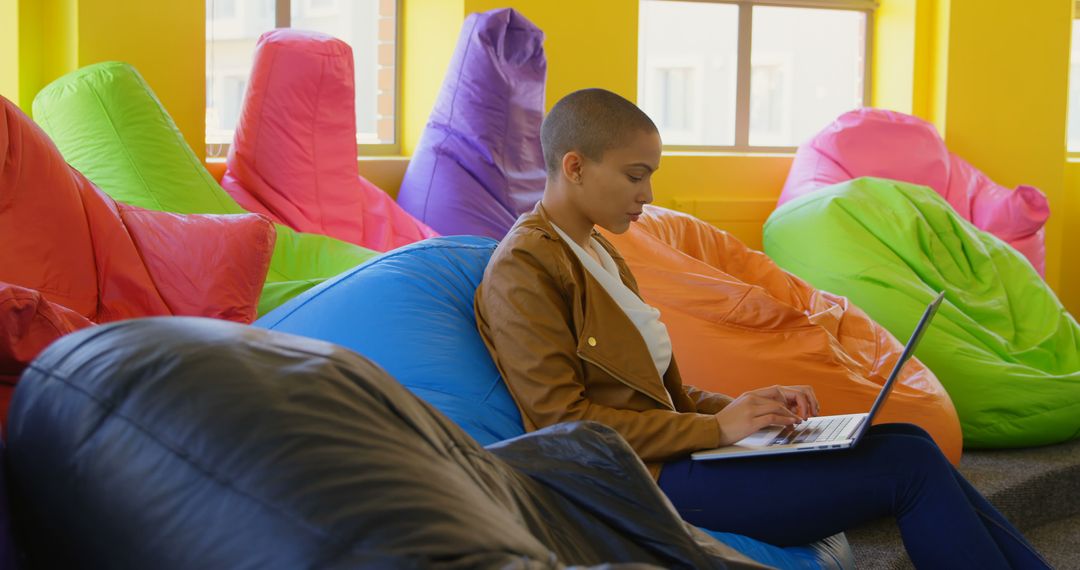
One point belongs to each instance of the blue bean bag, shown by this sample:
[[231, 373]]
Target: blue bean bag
[[411, 312]]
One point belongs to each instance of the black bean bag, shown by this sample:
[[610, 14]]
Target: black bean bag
[[191, 443]]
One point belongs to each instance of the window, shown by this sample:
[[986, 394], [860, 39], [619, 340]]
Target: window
[[317, 8], [369, 26], [676, 87], [689, 77], [751, 74], [1074, 89]]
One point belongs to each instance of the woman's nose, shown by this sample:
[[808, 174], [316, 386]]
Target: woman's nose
[[647, 197]]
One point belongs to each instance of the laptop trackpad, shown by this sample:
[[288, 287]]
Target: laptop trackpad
[[760, 437]]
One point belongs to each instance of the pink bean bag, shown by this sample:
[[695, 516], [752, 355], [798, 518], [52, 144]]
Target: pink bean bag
[[293, 157], [886, 144]]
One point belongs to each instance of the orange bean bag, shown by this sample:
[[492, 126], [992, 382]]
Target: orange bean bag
[[738, 322], [73, 257]]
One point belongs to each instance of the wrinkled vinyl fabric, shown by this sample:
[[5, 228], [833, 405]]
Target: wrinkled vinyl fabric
[[423, 332], [478, 165], [110, 126], [887, 144], [1001, 344], [72, 256], [739, 322], [191, 443], [28, 323], [293, 156]]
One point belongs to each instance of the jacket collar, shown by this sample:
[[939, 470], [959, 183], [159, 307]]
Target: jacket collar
[[539, 219]]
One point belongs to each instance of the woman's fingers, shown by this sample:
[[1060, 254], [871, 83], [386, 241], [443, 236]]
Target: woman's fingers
[[770, 392], [813, 408], [802, 401], [772, 407], [813, 400], [798, 402], [773, 420], [802, 397], [785, 396]]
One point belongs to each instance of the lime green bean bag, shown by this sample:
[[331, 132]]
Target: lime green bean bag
[[110, 126], [1002, 344]]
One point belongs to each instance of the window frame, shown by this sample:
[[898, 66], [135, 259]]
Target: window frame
[[744, 69], [1070, 154], [283, 19]]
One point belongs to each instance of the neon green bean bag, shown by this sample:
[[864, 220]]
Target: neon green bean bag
[[109, 125], [1002, 344]]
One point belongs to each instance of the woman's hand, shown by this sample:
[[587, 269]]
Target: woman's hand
[[757, 409], [802, 398]]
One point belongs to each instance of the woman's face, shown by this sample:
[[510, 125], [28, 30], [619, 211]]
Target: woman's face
[[614, 189]]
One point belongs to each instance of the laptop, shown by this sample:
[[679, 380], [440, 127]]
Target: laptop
[[823, 432]]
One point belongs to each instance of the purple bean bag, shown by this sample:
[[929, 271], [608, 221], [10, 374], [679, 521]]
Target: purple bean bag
[[479, 164], [887, 144]]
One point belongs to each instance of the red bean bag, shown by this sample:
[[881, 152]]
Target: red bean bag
[[293, 156], [73, 257]]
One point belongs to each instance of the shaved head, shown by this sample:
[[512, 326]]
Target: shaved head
[[589, 121]]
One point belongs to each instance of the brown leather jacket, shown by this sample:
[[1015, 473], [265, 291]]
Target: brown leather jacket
[[568, 352]]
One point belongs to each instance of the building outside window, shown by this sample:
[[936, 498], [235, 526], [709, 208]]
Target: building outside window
[[769, 73]]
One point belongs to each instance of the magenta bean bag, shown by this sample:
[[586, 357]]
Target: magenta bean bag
[[886, 144], [478, 164], [293, 156]]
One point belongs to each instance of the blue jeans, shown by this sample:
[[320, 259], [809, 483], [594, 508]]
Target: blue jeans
[[896, 470]]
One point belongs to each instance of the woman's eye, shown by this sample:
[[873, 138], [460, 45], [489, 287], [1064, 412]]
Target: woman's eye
[[634, 178]]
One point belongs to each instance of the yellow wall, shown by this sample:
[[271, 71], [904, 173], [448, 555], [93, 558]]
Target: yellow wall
[[1006, 97], [163, 40], [893, 56], [934, 94], [593, 45], [48, 35], [430, 29]]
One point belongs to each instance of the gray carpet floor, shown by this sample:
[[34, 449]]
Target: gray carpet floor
[[1038, 489]]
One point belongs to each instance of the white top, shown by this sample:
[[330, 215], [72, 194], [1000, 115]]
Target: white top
[[644, 316]]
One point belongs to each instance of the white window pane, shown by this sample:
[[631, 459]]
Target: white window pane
[[369, 26], [687, 70], [1074, 90], [232, 28], [807, 67]]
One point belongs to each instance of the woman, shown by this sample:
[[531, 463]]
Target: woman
[[559, 310]]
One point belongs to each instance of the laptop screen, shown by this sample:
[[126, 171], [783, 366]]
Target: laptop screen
[[909, 349]]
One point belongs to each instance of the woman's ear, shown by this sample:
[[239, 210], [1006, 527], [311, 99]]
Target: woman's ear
[[572, 163]]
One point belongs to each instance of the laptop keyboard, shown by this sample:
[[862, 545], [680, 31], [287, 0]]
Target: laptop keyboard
[[812, 430]]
